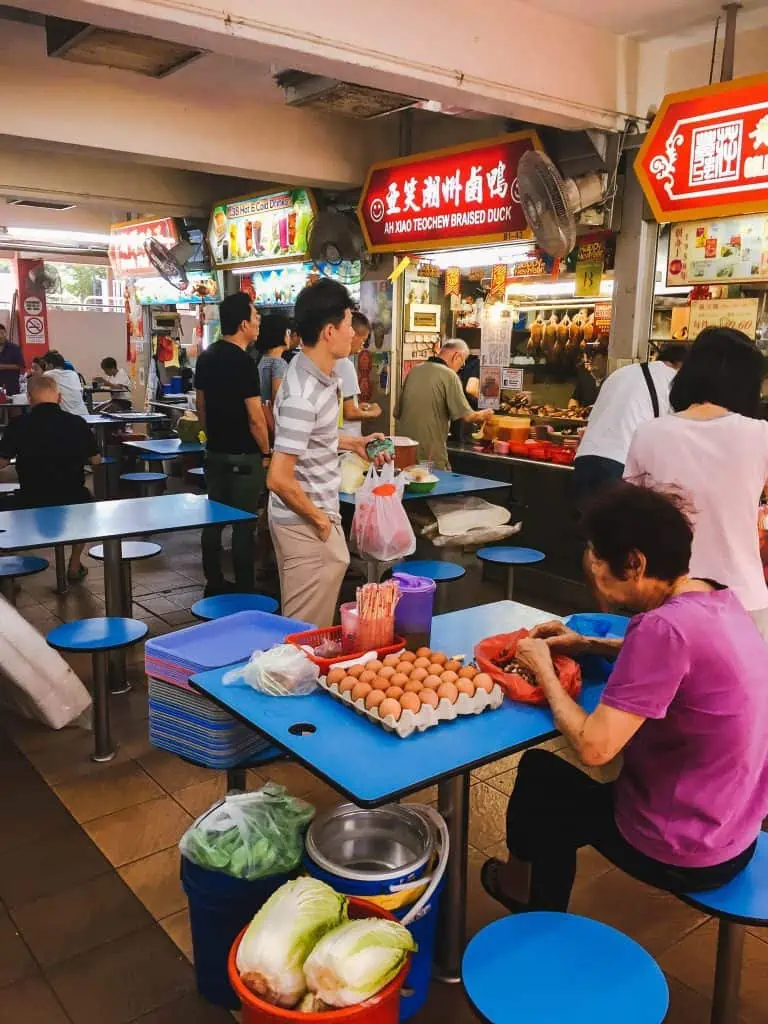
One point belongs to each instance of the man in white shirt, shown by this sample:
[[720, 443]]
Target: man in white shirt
[[70, 388], [354, 414], [629, 397], [117, 380]]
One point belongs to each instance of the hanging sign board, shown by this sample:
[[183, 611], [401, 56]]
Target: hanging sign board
[[127, 255], [729, 251], [498, 281], [512, 379], [452, 281], [706, 153], [269, 227], [590, 260], [740, 314], [464, 195]]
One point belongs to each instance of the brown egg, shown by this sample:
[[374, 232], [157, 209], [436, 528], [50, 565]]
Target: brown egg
[[452, 665], [347, 683], [406, 656], [468, 672], [374, 665], [430, 698], [335, 676], [406, 667], [374, 698], [367, 677], [439, 659], [392, 660], [423, 652], [466, 686], [398, 679], [380, 683], [449, 677], [435, 668], [390, 708], [447, 691], [483, 681], [410, 702], [413, 686], [421, 663], [387, 672], [419, 674], [356, 671], [433, 682], [361, 690], [396, 692]]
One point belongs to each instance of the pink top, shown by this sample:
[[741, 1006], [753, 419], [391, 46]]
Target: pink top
[[693, 790], [721, 466]]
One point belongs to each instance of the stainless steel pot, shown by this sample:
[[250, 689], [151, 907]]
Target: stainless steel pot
[[389, 844]]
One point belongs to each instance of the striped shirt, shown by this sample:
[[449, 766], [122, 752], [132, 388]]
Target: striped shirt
[[307, 426]]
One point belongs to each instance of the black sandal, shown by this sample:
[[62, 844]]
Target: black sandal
[[489, 879]]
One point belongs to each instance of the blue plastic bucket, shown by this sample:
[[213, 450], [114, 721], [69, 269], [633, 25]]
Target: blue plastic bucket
[[598, 624], [383, 892], [220, 906]]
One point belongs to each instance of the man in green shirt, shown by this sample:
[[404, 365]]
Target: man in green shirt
[[430, 400]]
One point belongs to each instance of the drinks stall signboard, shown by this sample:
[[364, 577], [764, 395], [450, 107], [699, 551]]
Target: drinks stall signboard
[[271, 227], [706, 153], [127, 255], [465, 195]]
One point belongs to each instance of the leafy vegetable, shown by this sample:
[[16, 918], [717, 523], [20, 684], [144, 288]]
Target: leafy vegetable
[[356, 960], [278, 940]]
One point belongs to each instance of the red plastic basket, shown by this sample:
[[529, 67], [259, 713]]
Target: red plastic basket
[[314, 637]]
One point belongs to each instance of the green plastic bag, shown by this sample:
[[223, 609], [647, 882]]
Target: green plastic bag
[[250, 835]]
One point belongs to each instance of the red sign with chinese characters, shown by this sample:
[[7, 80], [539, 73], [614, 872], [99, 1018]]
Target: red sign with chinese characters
[[460, 196], [706, 153], [127, 254]]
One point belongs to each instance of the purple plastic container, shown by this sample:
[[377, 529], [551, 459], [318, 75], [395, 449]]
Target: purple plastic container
[[413, 614]]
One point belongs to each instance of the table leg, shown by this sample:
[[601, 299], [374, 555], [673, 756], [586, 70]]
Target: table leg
[[103, 747], [61, 569], [453, 804], [730, 949], [510, 583], [114, 588]]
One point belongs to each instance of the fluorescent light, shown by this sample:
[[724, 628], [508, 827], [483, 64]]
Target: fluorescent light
[[480, 256], [259, 269], [554, 288], [57, 236]]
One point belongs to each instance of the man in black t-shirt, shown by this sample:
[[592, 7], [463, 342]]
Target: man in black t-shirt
[[237, 445], [51, 448]]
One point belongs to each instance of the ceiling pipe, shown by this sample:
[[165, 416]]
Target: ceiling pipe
[[729, 43]]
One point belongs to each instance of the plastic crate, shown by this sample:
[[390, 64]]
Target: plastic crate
[[315, 637]]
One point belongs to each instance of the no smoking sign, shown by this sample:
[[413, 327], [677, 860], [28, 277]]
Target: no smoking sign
[[34, 330]]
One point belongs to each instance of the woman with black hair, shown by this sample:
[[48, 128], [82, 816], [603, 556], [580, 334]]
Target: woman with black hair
[[270, 346], [714, 449], [686, 704]]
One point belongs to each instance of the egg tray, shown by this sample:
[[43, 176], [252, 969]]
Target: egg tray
[[427, 717]]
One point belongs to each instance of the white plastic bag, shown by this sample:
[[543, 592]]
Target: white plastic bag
[[283, 671], [381, 529]]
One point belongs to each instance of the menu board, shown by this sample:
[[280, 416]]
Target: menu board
[[740, 314], [733, 250], [271, 227]]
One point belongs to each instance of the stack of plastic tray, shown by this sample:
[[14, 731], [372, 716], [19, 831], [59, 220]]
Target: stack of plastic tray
[[189, 724]]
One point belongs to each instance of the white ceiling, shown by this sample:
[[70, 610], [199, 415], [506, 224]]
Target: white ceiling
[[646, 19]]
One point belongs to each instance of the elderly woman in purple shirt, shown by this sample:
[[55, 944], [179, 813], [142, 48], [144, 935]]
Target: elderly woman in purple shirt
[[686, 704]]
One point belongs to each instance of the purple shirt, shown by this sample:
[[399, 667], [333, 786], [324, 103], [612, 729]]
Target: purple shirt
[[9, 379], [694, 787]]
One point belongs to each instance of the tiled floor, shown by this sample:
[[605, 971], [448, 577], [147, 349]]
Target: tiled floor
[[93, 921]]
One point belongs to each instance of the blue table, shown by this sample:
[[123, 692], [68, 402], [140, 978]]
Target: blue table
[[450, 484], [100, 424], [373, 767], [136, 416], [165, 446], [110, 521]]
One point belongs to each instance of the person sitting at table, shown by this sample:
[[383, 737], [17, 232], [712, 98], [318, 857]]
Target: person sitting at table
[[686, 703], [68, 381], [36, 367], [51, 447], [117, 381]]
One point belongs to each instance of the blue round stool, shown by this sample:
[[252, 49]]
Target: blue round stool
[[147, 483], [97, 637], [132, 551], [601, 976], [228, 604], [510, 556], [740, 903], [12, 566]]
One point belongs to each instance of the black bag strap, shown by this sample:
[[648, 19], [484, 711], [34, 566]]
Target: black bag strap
[[651, 389]]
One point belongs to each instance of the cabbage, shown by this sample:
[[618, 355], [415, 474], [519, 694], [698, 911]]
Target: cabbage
[[356, 960], [278, 940]]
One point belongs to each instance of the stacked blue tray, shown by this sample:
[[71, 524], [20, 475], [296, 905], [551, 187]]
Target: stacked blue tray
[[189, 724]]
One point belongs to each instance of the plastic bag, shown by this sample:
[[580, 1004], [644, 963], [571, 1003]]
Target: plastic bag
[[250, 835], [517, 688], [283, 671], [381, 529]]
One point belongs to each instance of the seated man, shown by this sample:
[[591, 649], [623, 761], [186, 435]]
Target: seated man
[[116, 380], [67, 381], [50, 447], [687, 703]]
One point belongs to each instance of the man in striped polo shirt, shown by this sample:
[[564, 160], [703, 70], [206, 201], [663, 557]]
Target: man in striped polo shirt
[[304, 520]]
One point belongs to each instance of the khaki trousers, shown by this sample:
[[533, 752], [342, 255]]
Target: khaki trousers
[[311, 571]]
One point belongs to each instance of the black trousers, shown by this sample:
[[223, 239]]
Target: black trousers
[[555, 809], [590, 474]]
